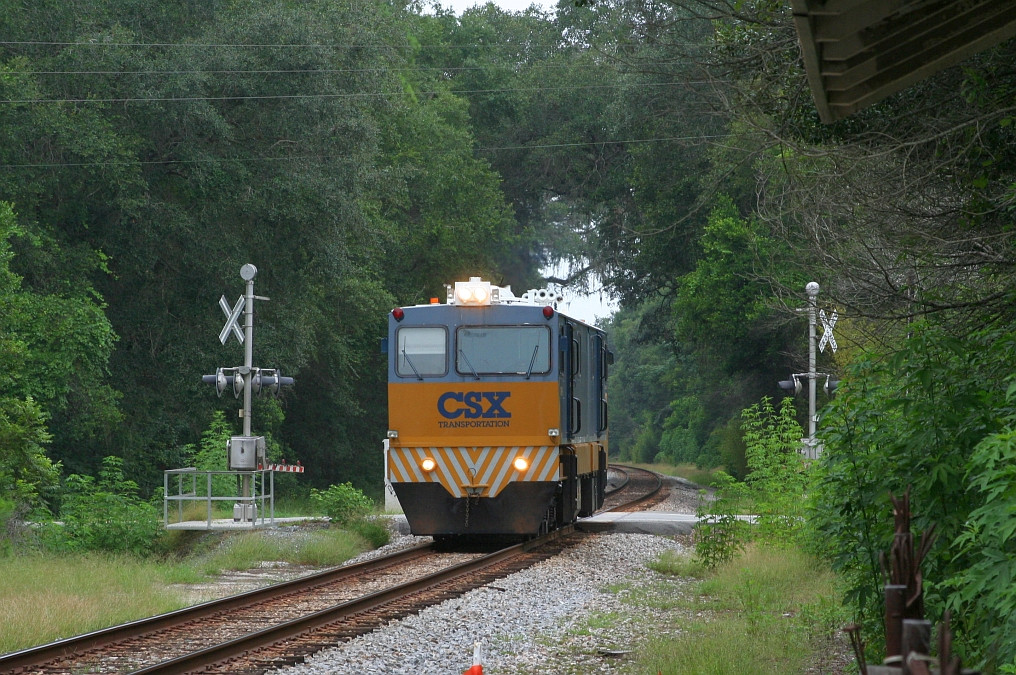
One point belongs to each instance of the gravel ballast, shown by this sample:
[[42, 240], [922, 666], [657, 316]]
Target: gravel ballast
[[575, 613]]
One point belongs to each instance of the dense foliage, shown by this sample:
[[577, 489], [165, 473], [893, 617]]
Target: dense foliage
[[149, 154], [930, 418]]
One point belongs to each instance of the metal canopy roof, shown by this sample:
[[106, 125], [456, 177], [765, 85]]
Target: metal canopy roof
[[857, 52]]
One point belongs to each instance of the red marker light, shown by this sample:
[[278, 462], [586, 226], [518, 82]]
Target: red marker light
[[548, 312], [399, 314]]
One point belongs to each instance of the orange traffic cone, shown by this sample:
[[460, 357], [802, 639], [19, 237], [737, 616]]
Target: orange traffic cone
[[477, 667]]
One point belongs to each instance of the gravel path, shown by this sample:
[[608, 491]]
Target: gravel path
[[584, 611]]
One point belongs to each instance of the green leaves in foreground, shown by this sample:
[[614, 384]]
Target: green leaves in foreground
[[936, 417], [986, 590]]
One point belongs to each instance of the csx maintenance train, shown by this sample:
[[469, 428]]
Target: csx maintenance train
[[497, 413]]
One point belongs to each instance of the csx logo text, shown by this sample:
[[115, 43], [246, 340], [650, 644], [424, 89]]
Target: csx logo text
[[473, 404]]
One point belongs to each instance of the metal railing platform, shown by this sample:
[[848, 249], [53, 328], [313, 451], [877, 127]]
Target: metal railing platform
[[200, 487]]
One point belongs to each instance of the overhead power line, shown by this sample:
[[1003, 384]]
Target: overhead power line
[[293, 158], [351, 95], [528, 47]]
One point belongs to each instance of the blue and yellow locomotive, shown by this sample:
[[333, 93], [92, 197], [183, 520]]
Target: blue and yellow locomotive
[[497, 413]]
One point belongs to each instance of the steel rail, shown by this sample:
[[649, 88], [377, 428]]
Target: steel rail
[[34, 656], [239, 646]]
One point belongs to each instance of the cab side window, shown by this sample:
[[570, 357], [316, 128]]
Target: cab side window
[[422, 351]]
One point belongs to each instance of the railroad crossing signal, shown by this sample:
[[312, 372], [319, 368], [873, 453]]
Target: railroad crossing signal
[[827, 330], [793, 385], [246, 380]]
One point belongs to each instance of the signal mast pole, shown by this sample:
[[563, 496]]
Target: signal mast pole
[[812, 290], [248, 272]]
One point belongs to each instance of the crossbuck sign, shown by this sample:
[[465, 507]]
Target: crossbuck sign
[[233, 314], [827, 330]]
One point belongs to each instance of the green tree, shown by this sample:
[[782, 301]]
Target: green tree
[[54, 348], [183, 142]]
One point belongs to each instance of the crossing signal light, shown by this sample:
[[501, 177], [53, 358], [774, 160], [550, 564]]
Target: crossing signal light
[[261, 379], [272, 383], [831, 385], [791, 386], [218, 379]]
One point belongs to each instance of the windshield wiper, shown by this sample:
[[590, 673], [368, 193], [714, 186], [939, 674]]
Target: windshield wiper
[[532, 360], [466, 359], [410, 362]]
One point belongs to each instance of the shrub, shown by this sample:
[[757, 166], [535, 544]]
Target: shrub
[[343, 504], [720, 534], [934, 417], [777, 478], [212, 455], [107, 515], [773, 492]]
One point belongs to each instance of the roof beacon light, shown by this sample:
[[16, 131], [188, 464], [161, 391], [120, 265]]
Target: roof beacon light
[[474, 292]]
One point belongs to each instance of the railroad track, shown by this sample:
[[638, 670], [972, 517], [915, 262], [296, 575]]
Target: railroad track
[[637, 490], [282, 624]]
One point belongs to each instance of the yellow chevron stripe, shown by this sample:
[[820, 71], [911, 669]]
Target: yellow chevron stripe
[[487, 469]]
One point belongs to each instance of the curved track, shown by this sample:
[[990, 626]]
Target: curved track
[[281, 624], [636, 491]]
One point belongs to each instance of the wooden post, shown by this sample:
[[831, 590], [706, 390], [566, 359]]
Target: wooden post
[[916, 640], [895, 606]]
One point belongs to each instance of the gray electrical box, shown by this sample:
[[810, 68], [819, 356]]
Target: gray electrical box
[[246, 453]]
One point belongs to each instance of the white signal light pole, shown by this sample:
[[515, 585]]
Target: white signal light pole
[[810, 448], [812, 290]]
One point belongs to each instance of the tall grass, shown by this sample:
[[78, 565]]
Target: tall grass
[[767, 611], [45, 598]]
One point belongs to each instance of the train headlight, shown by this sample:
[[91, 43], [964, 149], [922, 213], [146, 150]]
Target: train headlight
[[428, 464], [520, 464], [473, 292]]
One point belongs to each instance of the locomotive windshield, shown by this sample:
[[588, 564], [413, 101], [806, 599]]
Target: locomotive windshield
[[422, 351], [502, 350]]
